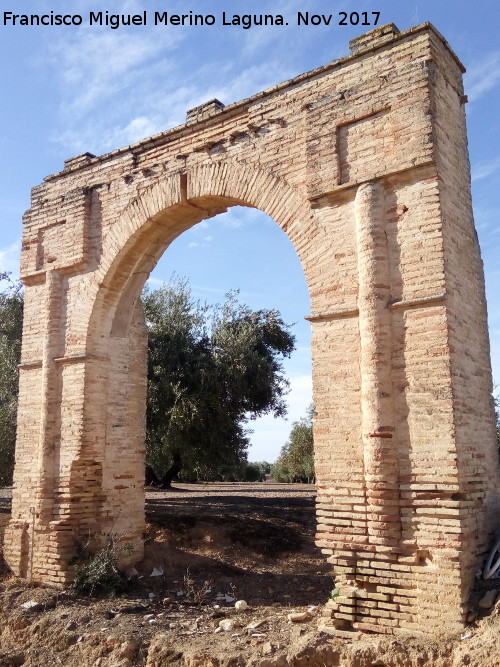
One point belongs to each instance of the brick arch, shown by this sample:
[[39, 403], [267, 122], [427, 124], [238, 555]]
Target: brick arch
[[153, 219], [116, 330]]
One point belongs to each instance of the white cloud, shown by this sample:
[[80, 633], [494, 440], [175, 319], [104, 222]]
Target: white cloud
[[120, 87], [486, 219], [9, 258], [113, 85], [241, 216], [482, 76], [250, 80], [95, 65], [485, 169], [137, 129], [273, 39], [204, 243]]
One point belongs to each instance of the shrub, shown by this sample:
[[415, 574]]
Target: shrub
[[96, 571]]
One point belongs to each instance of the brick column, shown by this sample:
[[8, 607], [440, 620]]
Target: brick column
[[375, 330]]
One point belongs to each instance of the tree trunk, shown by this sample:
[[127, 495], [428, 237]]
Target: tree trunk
[[172, 472], [151, 478]]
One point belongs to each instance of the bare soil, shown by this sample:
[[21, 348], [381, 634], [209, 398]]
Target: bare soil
[[216, 544]]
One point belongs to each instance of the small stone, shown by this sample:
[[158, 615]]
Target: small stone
[[128, 649], [131, 608], [488, 600], [226, 624], [300, 617], [471, 617], [254, 641], [72, 625], [149, 617], [31, 605], [151, 596], [256, 624], [336, 632], [297, 631], [240, 605], [267, 648], [167, 601]]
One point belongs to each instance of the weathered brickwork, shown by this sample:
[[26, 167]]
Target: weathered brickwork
[[363, 163]]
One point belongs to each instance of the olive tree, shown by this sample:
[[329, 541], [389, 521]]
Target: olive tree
[[296, 460], [211, 370]]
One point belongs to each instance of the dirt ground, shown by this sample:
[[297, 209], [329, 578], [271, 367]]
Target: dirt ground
[[211, 546]]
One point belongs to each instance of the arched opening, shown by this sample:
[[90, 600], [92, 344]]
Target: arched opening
[[258, 540], [245, 250], [114, 416]]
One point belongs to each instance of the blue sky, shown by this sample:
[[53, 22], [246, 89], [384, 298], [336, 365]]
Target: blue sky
[[67, 90]]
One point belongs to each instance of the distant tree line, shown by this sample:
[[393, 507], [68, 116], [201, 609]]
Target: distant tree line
[[296, 460], [11, 322]]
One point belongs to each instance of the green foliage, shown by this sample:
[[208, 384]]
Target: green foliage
[[296, 460], [265, 467], [210, 370], [11, 318], [96, 570], [255, 471], [252, 473]]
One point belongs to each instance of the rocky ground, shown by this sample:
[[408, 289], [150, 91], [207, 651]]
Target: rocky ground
[[209, 548]]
